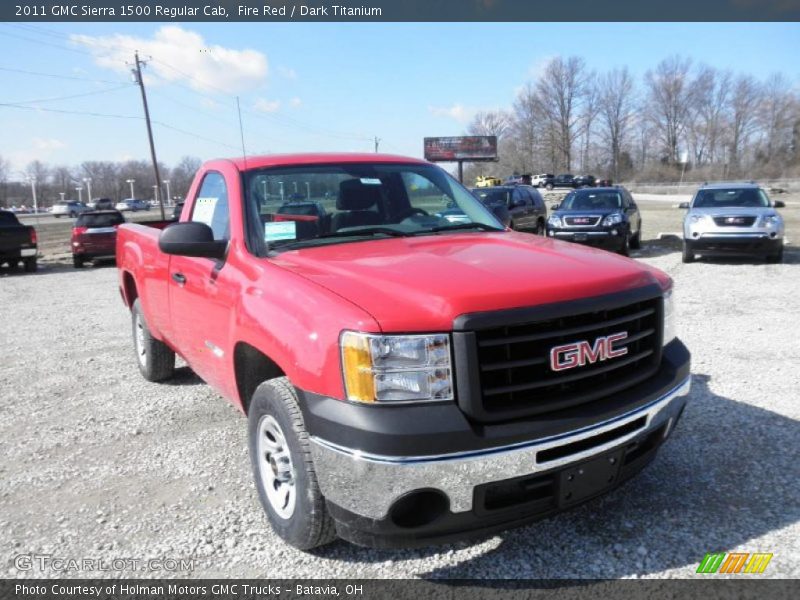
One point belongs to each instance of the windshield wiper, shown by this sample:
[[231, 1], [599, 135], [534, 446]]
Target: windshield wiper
[[366, 231], [474, 225]]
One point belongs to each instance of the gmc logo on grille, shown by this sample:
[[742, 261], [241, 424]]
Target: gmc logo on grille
[[579, 354], [582, 220], [735, 220]]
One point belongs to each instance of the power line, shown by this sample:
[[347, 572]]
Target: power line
[[68, 112], [97, 92], [56, 76]]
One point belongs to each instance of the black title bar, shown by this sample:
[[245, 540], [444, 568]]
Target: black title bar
[[265, 11]]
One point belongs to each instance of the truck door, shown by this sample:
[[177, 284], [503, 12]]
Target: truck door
[[201, 293]]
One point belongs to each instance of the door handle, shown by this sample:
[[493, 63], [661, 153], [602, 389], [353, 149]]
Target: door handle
[[179, 278]]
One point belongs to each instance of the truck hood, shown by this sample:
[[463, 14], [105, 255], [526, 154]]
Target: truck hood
[[424, 283]]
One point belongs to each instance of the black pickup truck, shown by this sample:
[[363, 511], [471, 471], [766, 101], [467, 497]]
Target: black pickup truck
[[17, 242]]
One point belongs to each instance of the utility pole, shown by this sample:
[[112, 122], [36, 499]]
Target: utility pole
[[137, 73], [377, 142]]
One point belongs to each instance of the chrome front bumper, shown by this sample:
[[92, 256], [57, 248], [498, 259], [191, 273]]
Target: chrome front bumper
[[368, 484]]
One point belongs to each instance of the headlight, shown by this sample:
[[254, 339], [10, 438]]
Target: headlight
[[613, 219], [772, 220], [396, 368], [696, 218], [669, 318], [554, 221]]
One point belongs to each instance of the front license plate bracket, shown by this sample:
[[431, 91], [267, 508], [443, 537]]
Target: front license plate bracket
[[589, 478]]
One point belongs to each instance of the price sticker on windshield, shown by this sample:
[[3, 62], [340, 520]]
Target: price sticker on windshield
[[280, 230]]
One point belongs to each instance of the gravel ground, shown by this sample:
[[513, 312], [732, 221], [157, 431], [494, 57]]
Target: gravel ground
[[98, 463]]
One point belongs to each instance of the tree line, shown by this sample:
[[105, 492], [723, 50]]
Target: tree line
[[681, 116], [109, 179]]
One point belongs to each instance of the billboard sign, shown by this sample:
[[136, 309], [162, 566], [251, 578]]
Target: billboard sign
[[469, 148]]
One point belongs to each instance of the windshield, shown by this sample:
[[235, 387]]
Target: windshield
[[351, 202], [739, 197], [492, 196], [99, 220], [586, 200]]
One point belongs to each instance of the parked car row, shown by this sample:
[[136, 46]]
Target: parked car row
[[566, 180]]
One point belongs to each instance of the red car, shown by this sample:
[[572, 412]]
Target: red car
[[406, 379], [94, 236]]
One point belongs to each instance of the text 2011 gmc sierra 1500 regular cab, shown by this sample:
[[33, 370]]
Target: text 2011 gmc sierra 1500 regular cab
[[407, 380]]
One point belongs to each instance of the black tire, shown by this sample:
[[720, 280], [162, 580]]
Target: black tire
[[625, 247], [72, 215], [777, 257], [688, 254], [548, 186], [155, 359], [31, 265], [539, 227], [512, 225], [636, 241], [308, 524], [77, 262]]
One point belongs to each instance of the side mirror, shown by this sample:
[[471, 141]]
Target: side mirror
[[683, 205], [779, 204], [191, 239], [554, 206], [502, 214]]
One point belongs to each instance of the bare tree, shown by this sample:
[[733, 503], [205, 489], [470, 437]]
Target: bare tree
[[776, 118], [743, 112], [560, 93], [182, 174], [709, 95], [617, 112], [490, 122], [590, 109], [669, 95]]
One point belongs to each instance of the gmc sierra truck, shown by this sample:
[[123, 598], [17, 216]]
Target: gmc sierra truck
[[407, 380], [17, 242]]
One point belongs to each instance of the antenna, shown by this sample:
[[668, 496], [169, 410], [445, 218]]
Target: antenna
[[241, 131]]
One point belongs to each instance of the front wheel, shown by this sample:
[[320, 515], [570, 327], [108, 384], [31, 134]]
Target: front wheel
[[636, 241], [688, 255], [625, 247], [156, 359], [539, 227], [283, 468], [549, 186], [77, 262], [777, 257]]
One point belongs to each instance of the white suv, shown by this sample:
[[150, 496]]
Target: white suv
[[732, 218], [69, 209]]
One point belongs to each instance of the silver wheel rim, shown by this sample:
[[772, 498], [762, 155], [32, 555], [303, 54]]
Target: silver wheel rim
[[275, 467], [141, 347]]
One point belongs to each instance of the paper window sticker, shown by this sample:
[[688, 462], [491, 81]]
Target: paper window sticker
[[280, 230], [204, 210]]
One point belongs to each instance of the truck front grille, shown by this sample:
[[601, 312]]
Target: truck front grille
[[734, 221], [515, 376], [582, 221]]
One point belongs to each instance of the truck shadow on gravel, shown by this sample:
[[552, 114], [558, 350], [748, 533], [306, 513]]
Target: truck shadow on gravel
[[727, 475]]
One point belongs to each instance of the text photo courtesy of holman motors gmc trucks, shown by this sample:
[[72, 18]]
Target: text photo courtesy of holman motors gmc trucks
[[407, 380]]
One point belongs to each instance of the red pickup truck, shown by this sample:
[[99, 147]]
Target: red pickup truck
[[407, 380]]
